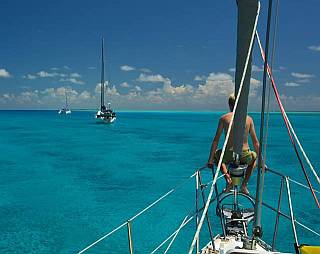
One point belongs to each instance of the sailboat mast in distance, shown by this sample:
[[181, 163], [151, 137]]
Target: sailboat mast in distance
[[66, 97], [102, 75], [105, 114]]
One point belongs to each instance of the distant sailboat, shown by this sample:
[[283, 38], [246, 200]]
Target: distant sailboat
[[66, 110], [106, 114]]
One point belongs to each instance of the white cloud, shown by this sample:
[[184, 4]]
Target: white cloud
[[291, 84], [45, 74], [216, 85], [52, 97], [220, 85], [152, 78], [92, 68], [85, 95], [66, 67], [314, 48], [75, 75], [98, 86], [29, 76], [72, 80], [145, 70], [177, 90], [124, 84], [108, 90], [232, 69], [54, 68], [4, 73], [219, 76], [302, 75], [138, 88], [199, 78], [256, 68], [127, 68]]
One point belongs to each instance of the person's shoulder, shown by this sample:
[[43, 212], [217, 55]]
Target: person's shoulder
[[227, 115], [224, 117]]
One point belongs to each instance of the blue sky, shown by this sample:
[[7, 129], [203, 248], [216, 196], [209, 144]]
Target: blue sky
[[164, 54]]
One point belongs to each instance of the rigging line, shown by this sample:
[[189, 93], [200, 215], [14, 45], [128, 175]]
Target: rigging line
[[196, 236], [307, 228], [162, 197], [169, 237], [103, 237], [290, 128], [175, 235], [302, 185], [269, 83]]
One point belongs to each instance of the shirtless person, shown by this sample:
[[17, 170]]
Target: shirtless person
[[249, 157]]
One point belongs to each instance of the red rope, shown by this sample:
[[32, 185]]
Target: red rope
[[288, 128]]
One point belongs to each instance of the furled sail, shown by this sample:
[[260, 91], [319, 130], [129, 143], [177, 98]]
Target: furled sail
[[247, 21]]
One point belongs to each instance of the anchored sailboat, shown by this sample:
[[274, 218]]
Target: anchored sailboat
[[106, 114], [235, 217], [66, 110]]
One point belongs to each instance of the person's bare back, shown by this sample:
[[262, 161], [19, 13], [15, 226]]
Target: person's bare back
[[226, 119]]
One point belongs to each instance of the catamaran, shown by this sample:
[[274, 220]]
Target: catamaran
[[66, 110], [106, 114], [236, 219]]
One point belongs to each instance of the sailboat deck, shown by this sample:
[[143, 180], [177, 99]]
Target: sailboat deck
[[231, 245]]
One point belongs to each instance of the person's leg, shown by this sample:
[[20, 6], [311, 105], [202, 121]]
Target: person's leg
[[224, 171], [249, 170], [223, 168]]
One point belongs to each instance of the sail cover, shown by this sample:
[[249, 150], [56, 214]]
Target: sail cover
[[247, 20]]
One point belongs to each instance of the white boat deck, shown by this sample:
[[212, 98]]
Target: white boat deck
[[231, 245]]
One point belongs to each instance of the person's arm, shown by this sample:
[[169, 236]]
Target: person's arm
[[215, 142], [254, 138]]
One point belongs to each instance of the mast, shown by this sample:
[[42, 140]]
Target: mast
[[257, 229], [66, 98], [102, 74], [247, 21]]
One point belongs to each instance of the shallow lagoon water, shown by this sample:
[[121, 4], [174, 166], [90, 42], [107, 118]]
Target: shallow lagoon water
[[65, 181]]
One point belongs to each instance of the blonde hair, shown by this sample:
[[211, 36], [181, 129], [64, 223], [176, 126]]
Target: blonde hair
[[231, 101]]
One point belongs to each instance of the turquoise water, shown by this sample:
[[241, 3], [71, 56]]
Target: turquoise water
[[66, 181]]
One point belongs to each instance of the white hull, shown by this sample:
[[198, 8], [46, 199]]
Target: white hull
[[66, 112], [106, 119]]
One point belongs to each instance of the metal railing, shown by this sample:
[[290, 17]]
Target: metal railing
[[199, 189], [285, 182]]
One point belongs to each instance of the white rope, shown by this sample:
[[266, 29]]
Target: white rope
[[105, 236], [169, 237], [159, 199], [175, 235], [307, 228], [305, 186], [290, 126], [196, 236]]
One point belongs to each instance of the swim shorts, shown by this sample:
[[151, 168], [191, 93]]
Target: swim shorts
[[247, 156]]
